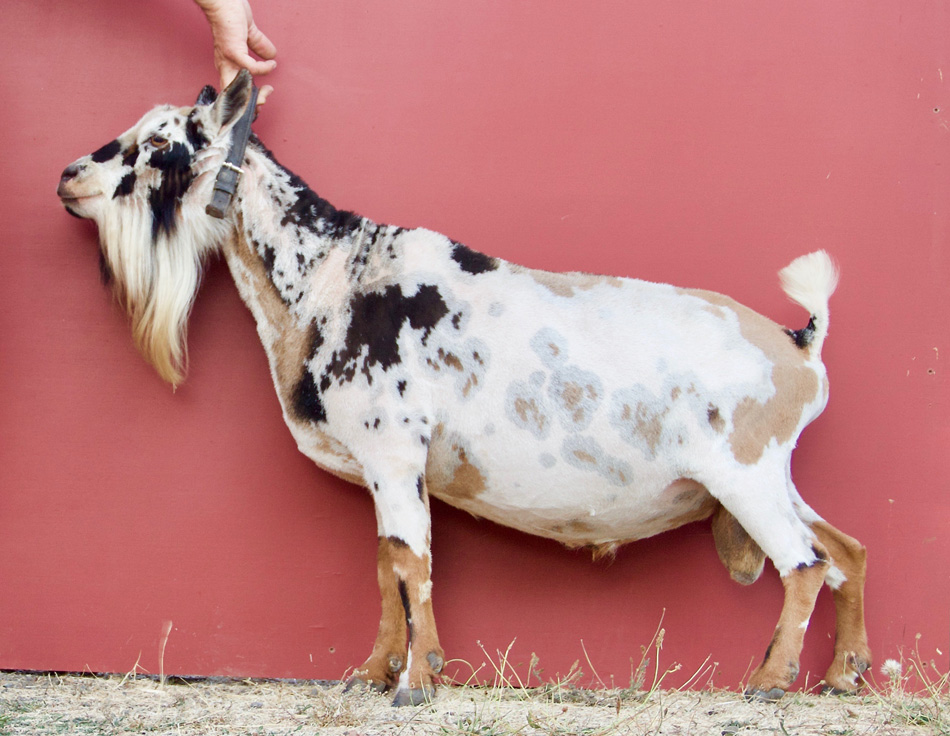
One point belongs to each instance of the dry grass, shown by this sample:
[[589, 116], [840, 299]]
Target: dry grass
[[41, 705], [912, 699]]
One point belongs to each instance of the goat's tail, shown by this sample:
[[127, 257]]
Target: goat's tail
[[810, 281]]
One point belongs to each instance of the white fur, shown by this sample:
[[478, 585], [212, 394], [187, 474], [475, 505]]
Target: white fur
[[810, 280]]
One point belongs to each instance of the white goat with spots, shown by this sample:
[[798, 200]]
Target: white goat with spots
[[588, 409]]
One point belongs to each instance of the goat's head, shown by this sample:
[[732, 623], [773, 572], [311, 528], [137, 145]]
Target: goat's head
[[147, 191]]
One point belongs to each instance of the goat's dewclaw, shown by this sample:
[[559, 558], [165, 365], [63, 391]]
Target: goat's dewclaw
[[591, 410]]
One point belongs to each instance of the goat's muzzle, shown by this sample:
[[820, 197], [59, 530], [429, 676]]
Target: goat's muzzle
[[65, 190], [69, 173]]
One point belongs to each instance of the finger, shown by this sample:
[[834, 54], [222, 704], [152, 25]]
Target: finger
[[262, 94], [245, 61], [259, 68], [260, 44], [230, 71]]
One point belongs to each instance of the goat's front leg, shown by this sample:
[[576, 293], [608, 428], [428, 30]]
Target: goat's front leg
[[388, 659], [404, 574]]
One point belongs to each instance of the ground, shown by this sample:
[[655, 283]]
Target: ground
[[42, 704]]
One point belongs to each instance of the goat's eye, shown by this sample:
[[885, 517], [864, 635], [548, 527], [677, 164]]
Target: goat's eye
[[157, 141]]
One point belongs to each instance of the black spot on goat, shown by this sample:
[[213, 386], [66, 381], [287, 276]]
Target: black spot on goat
[[109, 151], [472, 261], [165, 200], [376, 319]]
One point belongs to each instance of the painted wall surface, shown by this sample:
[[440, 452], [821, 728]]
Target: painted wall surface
[[704, 144]]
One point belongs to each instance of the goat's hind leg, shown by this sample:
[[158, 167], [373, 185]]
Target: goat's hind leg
[[846, 580], [759, 499]]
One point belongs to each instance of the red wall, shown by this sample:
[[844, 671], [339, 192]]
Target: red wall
[[705, 144]]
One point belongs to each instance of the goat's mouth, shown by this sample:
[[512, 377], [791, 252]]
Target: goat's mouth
[[73, 206], [73, 201], [65, 193]]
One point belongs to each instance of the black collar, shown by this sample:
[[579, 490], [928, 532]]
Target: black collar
[[226, 183]]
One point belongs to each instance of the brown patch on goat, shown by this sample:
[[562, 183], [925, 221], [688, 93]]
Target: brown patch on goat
[[571, 395], [564, 284], [647, 421], [756, 423], [742, 557], [472, 380], [451, 360], [450, 471], [294, 342], [575, 528], [576, 533], [291, 348], [585, 457], [577, 401], [529, 412]]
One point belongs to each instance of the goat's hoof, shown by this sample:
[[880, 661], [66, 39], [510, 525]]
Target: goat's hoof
[[844, 677], [358, 683], [414, 696], [842, 685], [769, 696], [831, 690]]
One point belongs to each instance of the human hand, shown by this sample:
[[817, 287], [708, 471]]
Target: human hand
[[235, 37]]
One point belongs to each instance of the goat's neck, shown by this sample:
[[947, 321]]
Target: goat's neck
[[298, 248], [297, 261]]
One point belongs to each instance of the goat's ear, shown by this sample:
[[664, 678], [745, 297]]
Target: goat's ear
[[232, 102], [207, 95]]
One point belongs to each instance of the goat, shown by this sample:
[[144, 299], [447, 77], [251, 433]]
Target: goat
[[592, 410]]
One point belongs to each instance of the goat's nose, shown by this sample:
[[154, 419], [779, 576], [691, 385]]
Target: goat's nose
[[70, 172]]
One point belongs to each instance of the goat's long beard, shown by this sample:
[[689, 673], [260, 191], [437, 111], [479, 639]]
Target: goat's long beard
[[156, 282]]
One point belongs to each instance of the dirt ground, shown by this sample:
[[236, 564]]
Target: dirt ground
[[41, 704]]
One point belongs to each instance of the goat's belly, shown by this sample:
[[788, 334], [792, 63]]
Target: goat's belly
[[590, 518], [577, 504]]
